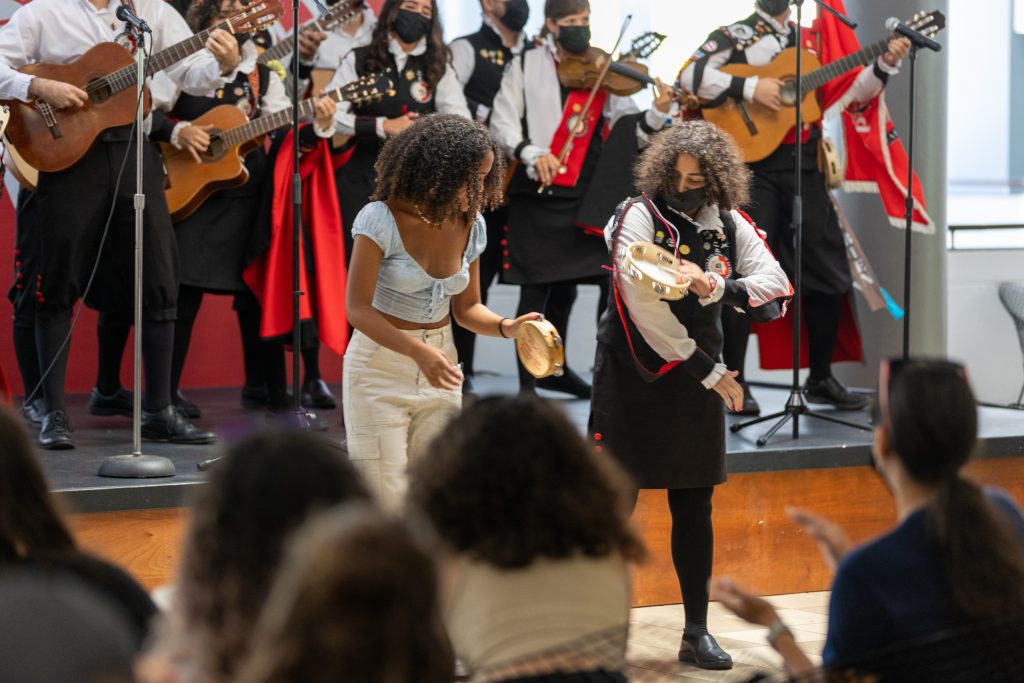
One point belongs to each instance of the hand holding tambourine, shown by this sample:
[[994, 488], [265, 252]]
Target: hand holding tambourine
[[540, 348], [649, 266]]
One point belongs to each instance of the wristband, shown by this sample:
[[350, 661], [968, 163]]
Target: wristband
[[501, 329], [776, 631]]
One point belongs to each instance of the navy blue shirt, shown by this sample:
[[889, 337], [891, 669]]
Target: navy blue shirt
[[895, 589]]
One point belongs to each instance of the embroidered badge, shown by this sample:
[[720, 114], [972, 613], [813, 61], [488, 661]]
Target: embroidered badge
[[740, 32], [710, 46], [420, 91], [719, 264], [127, 41], [410, 75], [584, 127]]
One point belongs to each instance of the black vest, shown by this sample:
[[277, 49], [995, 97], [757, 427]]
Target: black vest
[[491, 56], [703, 323], [237, 92]]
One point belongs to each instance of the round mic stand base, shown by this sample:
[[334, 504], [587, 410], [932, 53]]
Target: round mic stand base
[[137, 467]]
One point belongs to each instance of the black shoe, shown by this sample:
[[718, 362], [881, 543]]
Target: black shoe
[[55, 434], [186, 406], [289, 419], [750, 405], [121, 402], [170, 424], [316, 394], [704, 652], [34, 410], [254, 398], [831, 392], [568, 383]]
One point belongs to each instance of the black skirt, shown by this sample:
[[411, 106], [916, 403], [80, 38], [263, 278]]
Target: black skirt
[[668, 434]]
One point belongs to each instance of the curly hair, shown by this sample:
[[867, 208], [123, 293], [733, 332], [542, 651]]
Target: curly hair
[[201, 13], [727, 177], [378, 57], [432, 161], [512, 480], [357, 598], [262, 491]]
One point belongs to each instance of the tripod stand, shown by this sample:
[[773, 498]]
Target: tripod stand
[[796, 404]]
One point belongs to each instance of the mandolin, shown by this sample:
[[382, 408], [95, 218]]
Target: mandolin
[[50, 139], [757, 129], [232, 137]]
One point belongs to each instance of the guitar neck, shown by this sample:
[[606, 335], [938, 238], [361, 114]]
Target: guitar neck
[[265, 124], [281, 49], [824, 74], [126, 77]]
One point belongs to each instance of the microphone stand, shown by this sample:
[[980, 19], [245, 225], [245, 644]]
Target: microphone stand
[[135, 465], [796, 405]]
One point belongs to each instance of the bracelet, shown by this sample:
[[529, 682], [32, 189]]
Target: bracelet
[[776, 631], [501, 329]]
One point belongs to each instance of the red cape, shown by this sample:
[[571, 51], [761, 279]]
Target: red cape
[[270, 276]]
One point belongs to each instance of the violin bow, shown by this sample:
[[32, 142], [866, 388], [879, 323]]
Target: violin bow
[[581, 118]]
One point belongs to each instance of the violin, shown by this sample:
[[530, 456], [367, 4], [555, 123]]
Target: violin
[[625, 76]]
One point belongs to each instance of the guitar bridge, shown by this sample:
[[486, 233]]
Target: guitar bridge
[[49, 118]]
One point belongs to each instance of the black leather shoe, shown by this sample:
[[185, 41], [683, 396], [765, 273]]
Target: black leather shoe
[[34, 410], [121, 402], [831, 392], [186, 406], [55, 434], [568, 383], [254, 398], [704, 652], [170, 424], [316, 394], [750, 405]]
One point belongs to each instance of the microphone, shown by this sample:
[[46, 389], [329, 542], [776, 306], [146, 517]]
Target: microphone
[[125, 14], [896, 26]]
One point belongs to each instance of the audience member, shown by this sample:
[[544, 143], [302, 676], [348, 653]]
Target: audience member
[[34, 537], [535, 541], [957, 555], [356, 601]]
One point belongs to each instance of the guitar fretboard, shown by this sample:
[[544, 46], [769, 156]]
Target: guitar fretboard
[[823, 75], [265, 124], [340, 13]]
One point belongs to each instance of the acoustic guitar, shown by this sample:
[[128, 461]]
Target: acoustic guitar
[[50, 139], [757, 129], [232, 137]]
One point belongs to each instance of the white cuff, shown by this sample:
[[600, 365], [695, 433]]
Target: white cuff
[[323, 132], [482, 112], [21, 85], [380, 128], [655, 119], [891, 70], [531, 153], [715, 376], [749, 86], [178, 127], [717, 290]]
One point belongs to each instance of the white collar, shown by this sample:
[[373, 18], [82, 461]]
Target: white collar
[[779, 28], [520, 41], [396, 49], [248, 58], [708, 218]]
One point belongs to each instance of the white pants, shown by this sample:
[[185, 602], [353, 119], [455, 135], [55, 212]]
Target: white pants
[[391, 410]]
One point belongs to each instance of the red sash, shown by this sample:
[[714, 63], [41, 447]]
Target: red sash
[[573, 107]]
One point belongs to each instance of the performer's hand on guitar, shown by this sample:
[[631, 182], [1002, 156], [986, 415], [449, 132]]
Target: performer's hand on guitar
[[745, 605], [398, 124], [700, 283], [547, 168], [57, 93], [767, 93], [510, 328], [898, 49], [196, 139], [832, 540], [224, 48], [730, 390], [436, 367], [324, 112], [309, 43]]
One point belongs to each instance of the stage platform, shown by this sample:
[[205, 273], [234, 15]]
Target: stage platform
[[140, 523], [73, 473]]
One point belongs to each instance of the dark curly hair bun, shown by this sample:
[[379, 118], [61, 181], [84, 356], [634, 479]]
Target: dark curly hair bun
[[512, 480]]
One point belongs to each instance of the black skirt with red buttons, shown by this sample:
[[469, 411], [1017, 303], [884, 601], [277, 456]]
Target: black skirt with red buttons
[[667, 434]]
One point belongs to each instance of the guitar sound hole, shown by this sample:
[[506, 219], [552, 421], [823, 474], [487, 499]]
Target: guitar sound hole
[[787, 93], [99, 90]]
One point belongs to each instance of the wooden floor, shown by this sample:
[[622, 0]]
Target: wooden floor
[[754, 541]]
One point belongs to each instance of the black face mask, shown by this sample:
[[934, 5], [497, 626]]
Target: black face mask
[[517, 13], [688, 200], [410, 26], [773, 7], [574, 39]]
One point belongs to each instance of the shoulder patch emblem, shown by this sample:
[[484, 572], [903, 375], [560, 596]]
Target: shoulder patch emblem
[[710, 46], [740, 32]]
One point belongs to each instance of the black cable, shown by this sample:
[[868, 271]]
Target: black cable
[[103, 239]]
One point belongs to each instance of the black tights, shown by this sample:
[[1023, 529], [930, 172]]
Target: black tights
[[693, 546]]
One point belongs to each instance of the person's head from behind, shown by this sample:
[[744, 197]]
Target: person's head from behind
[[262, 491], [356, 600], [926, 428], [30, 525], [511, 480], [56, 629], [444, 166]]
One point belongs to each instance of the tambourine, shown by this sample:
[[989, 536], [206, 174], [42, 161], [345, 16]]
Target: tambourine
[[540, 349], [648, 265]]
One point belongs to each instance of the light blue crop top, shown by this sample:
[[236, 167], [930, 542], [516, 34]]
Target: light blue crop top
[[404, 289]]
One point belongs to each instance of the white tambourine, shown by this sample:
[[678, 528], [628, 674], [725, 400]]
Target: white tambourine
[[648, 265]]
